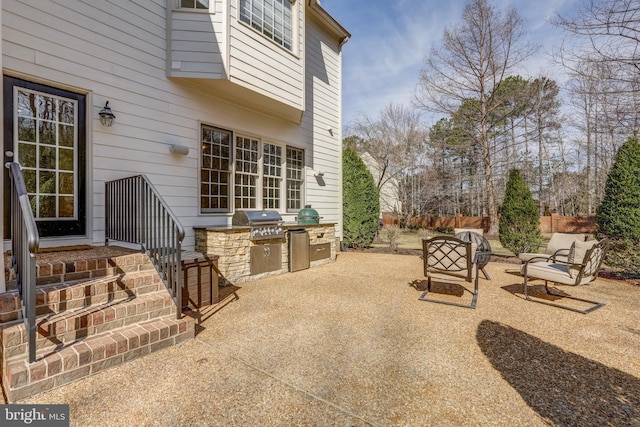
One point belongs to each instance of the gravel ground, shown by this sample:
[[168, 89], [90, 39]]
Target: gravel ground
[[350, 344]]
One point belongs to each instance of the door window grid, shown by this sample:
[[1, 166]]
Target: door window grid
[[273, 18], [215, 170], [295, 178], [45, 147]]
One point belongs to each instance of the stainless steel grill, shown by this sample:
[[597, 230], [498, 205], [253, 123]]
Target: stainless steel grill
[[263, 224]]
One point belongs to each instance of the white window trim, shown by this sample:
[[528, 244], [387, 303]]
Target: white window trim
[[178, 8], [304, 181], [231, 200], [295, 17], [259, 183]]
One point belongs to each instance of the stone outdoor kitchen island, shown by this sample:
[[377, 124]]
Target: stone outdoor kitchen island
[[243, 259]]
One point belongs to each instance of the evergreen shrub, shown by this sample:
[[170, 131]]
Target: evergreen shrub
[[360, 201], [519, 226], [618, 216]]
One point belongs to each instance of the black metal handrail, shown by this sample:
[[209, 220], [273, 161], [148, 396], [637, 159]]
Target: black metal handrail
[[24, 246], [136, 213]]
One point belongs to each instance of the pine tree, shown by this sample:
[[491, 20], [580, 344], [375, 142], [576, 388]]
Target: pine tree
[[360, 201], [519, 225], [618, 216]]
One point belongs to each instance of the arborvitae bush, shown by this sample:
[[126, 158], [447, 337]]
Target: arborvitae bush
[[618, 216], [519, 225], [360, 201]]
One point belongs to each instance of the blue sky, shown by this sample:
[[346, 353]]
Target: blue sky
[[391, 38]]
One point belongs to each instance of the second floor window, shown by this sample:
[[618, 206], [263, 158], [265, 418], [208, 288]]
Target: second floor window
[[273, 18], [194, 4]]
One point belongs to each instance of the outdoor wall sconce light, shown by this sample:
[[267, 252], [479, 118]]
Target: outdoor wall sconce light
[[318, 173], [181, 150], [106, 116]]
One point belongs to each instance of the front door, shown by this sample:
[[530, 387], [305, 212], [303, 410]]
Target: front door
[[45, 131]]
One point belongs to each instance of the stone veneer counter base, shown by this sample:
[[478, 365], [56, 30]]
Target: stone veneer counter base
[[234, 246]]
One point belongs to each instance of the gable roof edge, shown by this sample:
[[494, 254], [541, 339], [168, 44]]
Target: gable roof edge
[[329, 21]]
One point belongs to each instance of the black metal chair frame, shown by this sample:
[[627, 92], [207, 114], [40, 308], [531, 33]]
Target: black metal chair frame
[[483, 249], [590, 266], [446, 249]]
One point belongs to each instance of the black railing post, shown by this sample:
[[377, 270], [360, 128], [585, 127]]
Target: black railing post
[[24, 246], [145, 219]]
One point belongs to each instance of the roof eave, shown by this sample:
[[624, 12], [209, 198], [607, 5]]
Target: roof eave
[[331, 23]]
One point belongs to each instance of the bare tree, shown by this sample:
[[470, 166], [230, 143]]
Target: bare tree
[[475, 56], [396, 141], [610, 35]]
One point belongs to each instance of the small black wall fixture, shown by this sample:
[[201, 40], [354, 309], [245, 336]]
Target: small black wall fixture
[[106, 116]]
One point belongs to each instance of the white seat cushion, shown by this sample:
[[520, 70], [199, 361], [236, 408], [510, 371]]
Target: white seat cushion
[[552, 272]]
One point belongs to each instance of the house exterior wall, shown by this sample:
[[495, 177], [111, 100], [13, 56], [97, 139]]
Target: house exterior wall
[[389, 198], [322, 123], [265, 67], [117, 52], [197, 42]]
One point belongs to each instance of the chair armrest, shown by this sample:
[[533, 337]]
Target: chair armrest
[[543, 258], [554, 261], [565, 252]]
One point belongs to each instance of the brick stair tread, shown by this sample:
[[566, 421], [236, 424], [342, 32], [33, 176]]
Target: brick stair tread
[[74, 322], [92, 267], [89, 356], [49, 297]]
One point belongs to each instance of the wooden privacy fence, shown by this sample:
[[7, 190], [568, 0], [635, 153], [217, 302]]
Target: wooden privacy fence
[[548, 224]]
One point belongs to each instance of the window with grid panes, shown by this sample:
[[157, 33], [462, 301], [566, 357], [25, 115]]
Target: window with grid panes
[[194, 4], [215, 170], [295, 178], [265, 175], [273, 18], [246, 176], [271, 175]]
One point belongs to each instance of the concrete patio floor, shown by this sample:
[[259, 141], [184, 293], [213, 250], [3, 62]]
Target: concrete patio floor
[[350, 344]]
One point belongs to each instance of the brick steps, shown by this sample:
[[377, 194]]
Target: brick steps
[[55, 298], [92, 314], [59, 329], [93, 355]]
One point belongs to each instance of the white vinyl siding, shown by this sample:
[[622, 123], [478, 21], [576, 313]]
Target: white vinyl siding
[[259, 64], [196, 43], [324, 97], [117, 52]]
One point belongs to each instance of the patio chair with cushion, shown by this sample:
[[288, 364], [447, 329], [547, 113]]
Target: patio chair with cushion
[[450, 259], [558, 247], [589, 254]]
